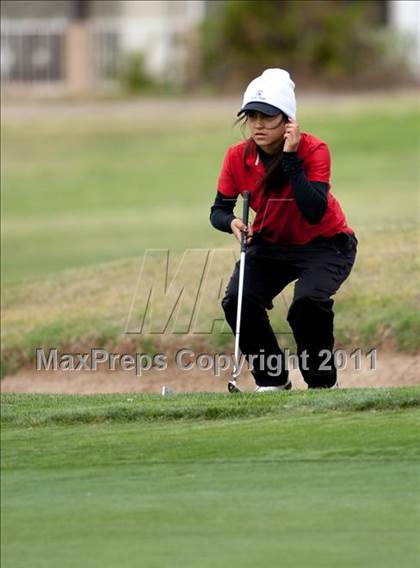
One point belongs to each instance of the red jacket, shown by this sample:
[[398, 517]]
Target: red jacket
[[280, 219]]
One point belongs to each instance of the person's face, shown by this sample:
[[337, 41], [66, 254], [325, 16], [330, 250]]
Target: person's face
[[266, 131]]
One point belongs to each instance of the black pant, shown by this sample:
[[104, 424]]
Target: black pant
[[320, 268]]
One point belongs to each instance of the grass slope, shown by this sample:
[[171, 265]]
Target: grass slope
[[92, 195], [293, 479], [94, 189]]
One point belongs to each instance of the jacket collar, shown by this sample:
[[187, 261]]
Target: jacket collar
[[252, 158]]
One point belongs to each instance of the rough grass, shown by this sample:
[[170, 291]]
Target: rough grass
[[92, 307], [90, 196]]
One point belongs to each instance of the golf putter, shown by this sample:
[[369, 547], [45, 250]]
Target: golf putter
[[232, 387]]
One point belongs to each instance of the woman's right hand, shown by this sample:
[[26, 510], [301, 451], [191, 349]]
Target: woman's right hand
[[238, 227]]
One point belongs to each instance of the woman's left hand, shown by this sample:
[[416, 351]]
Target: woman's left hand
[[291, 136]]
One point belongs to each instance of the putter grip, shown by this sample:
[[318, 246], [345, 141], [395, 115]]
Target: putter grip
[[245, 211], [245, 216]]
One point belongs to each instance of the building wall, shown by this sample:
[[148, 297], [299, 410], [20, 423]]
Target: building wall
[[43, 42], [404, 17], [160, 30], [26, 9], [36, 9]]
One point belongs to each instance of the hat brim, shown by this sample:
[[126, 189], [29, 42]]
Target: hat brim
[[265, 108]]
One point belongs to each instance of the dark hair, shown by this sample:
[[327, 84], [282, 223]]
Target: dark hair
[[274, 174]]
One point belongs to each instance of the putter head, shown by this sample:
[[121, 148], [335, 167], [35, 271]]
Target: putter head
[[232, 388], [166, 391]]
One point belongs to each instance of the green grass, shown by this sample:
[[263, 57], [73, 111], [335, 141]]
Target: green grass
[[84, 198], [298, 479], [48, 410], [82, 191]]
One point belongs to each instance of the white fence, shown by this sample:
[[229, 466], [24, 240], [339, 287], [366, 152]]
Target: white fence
[[33, 52]]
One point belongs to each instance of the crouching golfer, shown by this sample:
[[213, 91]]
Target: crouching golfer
[[299, 233]]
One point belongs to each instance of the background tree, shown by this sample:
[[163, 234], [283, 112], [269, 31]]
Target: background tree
[[319, 41]]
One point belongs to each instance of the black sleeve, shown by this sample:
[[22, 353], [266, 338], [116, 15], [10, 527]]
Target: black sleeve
[[221, 212], [311, 196]]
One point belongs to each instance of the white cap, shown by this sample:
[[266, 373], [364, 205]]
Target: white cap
[[271, 92]]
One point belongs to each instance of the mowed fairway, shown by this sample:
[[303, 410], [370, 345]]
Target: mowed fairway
[[319, 479]]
